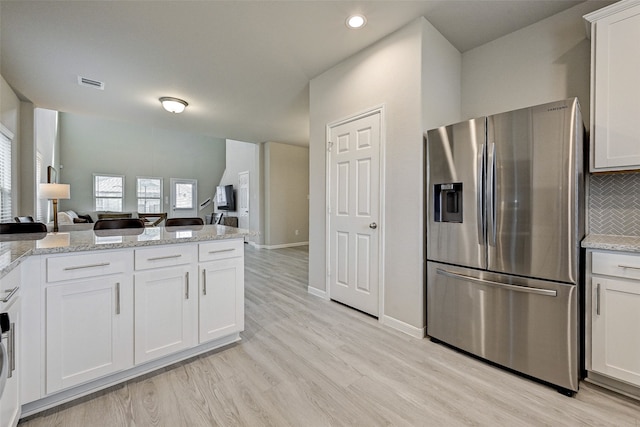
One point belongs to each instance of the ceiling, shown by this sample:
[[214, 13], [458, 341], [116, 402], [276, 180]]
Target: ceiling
[[243, 66]]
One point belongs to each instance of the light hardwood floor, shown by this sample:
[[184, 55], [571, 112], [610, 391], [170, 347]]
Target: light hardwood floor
[[304, 361]]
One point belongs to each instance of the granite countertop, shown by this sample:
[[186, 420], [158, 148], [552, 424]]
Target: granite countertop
[[15, 248], [612, 243]]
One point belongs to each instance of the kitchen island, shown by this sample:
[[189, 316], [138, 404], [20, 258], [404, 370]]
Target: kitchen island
[[102, 307]]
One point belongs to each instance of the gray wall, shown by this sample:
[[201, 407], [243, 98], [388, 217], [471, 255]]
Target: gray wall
[[546, 61], [94, 145], [389, 73], [286, 176]]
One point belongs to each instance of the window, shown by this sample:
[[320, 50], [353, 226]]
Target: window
[[5, 175], [149, 191], [108, 191]]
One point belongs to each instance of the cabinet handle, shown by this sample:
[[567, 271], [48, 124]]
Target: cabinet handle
[[628, 266], [222, 250], [118, 298], [164, 257], [12, 358], [78, 267], [186, 292], [11, 293], [204, 282], [598, 299]]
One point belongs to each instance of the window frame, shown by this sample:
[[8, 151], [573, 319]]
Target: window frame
[[95, 197], [138, 198], [6, 171]]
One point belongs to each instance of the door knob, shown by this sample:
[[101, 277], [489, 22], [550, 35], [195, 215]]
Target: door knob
[[373, 226]]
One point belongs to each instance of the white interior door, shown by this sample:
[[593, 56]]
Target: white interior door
[[354, 182], [183, 194], [243, 200]]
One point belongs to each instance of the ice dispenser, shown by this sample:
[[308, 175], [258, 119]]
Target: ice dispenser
[[448, 202]]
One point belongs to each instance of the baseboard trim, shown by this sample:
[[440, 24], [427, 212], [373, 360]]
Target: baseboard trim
[[317, 292], [284, 245], [403, 327]]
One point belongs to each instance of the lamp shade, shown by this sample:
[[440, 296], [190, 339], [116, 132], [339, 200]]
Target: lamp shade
[[55, 191]]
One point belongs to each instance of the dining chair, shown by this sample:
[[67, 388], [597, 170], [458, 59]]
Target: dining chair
[[177, 222], [24, 219], [112, 224], [22, 227]]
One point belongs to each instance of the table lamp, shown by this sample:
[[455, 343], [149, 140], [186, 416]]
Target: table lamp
[[54, 192]]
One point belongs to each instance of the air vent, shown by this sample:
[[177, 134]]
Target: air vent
[[83, 81]]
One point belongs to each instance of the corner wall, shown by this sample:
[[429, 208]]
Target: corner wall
[[286, 187], [388, 73], [544, 62]]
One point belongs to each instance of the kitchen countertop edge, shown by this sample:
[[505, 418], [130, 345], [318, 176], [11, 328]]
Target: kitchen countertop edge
[[612, 242], [23, 249]]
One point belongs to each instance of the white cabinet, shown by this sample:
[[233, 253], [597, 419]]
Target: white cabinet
[[221, 299], [614, 298], [11, 340], [88, 320], [165, 301], [615, 100]]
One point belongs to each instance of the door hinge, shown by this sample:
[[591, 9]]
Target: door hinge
[[329, 145]]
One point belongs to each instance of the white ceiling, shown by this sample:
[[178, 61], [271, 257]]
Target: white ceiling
[[243, 66]]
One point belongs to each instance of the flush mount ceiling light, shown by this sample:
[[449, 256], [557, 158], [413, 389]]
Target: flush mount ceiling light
[[173, 105], [356, 21]]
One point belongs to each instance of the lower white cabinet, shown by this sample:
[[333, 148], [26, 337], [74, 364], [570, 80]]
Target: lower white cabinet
[[221, 300], [165, 311], [98, 318], [615, 328], [88, 330], [615, 316], [11, 340]]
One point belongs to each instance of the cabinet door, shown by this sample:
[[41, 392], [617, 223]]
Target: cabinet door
[[615, 328], [221, 299], [10, 402], [615, 133], [165, 311], [89, 330]]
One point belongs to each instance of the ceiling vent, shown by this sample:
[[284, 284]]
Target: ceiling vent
[[83, 81]]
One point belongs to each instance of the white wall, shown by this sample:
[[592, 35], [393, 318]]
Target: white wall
[[94, 145], [47, 142], [244, 157], [286, 176], [389, 73], [10, 118], [544, 62]]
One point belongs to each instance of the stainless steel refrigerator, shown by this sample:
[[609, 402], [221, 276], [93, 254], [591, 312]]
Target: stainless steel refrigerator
[[504, 216]]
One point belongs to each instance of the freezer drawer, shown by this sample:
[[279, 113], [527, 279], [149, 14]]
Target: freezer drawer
[[528, 325]]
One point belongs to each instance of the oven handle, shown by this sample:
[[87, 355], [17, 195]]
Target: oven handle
[[4, 366], [526, 289]]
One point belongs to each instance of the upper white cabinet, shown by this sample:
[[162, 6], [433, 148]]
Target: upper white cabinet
[[615, 94]]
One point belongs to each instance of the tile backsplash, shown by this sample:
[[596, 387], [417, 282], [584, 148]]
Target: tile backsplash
[[614, 204]]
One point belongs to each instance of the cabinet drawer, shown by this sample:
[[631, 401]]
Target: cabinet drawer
[[222, 249], [616, 264], [165, 256], [78, 266]]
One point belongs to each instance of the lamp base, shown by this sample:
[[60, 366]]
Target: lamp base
[[55, 215]]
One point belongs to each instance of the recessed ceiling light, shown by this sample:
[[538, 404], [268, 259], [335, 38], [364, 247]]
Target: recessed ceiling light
[[173, 105], [356, 21]]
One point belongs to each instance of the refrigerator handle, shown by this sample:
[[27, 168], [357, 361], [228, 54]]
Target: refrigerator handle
[[491, 191], [480, 193]]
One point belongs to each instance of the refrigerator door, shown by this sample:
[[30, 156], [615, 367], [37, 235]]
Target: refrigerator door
[[534, 175], [524, 324], [454, 194]]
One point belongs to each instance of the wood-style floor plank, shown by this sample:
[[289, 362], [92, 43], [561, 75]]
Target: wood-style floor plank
[[304, 361]]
